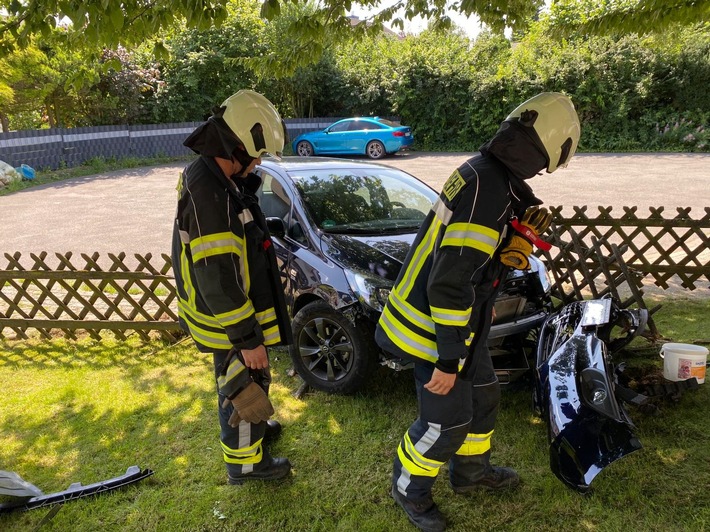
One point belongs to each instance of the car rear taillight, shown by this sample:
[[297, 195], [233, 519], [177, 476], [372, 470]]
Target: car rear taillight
[[398, 133]]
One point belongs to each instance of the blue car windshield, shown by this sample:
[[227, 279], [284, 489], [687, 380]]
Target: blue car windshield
[[363, 201]]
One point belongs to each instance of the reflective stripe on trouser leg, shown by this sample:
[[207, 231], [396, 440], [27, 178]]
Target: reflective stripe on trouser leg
[[472, 459], [433, 438], [242, 448]]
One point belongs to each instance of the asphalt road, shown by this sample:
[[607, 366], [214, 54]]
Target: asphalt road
[[132, 210]]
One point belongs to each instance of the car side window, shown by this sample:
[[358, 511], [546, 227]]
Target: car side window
[[273, 200], [338, 128]]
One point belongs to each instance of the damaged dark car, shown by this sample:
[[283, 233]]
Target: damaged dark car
[[341, 230]]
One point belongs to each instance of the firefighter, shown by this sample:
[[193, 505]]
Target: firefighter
[[440, 309], [230, 296]]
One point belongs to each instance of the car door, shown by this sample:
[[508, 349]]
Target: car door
[[336, 139], [298, 254]]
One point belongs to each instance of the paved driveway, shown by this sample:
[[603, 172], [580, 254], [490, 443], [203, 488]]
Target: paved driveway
[[132, 210]]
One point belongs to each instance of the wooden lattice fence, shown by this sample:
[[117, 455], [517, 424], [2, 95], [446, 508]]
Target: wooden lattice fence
[[70, 293], [593, 256]]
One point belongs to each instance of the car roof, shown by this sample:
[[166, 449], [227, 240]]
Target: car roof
[[295, 163]]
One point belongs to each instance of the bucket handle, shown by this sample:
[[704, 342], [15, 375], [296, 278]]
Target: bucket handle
[[661, 353]]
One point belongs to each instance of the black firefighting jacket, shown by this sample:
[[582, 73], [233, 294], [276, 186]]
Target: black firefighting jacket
[[229, 290], [443, 297]]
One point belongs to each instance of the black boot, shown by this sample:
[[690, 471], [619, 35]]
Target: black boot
[[276, 469], [423, 514], [469, 474], [273, 430], [495, 478]]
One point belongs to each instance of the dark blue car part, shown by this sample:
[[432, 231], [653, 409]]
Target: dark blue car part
[[577, 389], [24, 496]]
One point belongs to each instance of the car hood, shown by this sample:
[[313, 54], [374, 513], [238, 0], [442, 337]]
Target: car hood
[[381, 255]]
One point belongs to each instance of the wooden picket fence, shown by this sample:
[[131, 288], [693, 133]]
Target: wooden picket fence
[[592, 256]]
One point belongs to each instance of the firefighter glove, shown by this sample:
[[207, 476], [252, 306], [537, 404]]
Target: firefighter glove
[[251, 404], [535, 222]]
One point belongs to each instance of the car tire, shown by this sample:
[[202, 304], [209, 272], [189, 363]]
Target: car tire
[[375, 149], [304, 149], [329, 352]]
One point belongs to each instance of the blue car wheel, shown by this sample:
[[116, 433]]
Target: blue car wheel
[[375, 149], [304, 148]]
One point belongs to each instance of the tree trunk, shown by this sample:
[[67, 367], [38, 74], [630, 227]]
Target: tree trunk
[[4, 122]]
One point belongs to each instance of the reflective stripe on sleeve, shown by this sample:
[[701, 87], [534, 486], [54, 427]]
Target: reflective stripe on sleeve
[[473, 236], [446, 316], [216, 244], [235, 316]]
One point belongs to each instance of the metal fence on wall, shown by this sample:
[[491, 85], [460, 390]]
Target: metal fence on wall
[[53, 148]]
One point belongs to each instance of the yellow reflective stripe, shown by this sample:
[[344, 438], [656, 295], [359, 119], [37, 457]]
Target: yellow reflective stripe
[[447, 316], [245, 455], [469, 340], [266, 315], [235, 316], [474, 236], [407, 340], [216, 244], [186, 280], [235, 368], [414, 462], [210, 339], [272, 335], [475, 444], [415, 316], [420, 255], [196, 315]]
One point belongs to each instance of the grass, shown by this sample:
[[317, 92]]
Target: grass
[[86, 410], [97, 165]]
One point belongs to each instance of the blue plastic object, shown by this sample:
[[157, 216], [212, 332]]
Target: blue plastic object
[[27, 172]]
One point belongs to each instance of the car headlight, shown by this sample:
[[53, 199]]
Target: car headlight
[[370, 290], [537, 266]]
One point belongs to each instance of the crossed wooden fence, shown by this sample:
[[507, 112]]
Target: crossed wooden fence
[[591, 257]]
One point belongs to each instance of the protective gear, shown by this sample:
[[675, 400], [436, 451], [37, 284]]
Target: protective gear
[[428, 314], [227, 279], [475, 474], [554, 124], [251, 404], [256, 123], [535, 222], [275, 469], [424, 513]]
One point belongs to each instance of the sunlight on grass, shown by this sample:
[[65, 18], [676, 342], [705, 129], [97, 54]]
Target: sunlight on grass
[[86, 410]]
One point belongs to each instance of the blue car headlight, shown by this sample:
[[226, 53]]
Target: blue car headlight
[[370, 290]]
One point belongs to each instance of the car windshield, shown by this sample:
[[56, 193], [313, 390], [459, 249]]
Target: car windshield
[[364, 201]]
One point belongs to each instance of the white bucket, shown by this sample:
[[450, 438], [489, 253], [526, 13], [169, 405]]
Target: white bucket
[[683, 361]]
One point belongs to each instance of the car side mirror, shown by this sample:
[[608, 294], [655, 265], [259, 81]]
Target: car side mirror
[[276, 226]]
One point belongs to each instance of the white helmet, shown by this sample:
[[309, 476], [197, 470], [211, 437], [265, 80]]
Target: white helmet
[[256, 123], [552, 116]]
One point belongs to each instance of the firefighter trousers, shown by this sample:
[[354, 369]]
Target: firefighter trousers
[[456, 427], [242, 447]]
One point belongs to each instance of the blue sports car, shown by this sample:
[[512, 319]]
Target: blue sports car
[[374, 137]]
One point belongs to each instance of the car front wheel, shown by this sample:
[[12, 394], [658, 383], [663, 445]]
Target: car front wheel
[[329, 352], [304, 149], [375, 149]]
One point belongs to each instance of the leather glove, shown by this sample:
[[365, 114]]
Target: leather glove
[[535, 221], [251, 404]]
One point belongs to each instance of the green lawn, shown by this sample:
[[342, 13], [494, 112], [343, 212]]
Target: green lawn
[[85, 411]]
